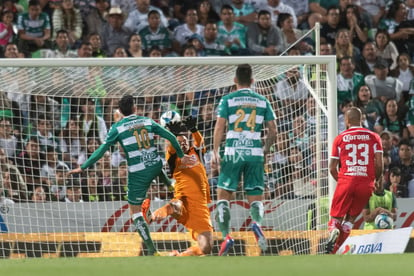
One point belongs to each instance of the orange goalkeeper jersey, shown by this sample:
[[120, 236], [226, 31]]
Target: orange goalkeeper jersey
[[191, 180]]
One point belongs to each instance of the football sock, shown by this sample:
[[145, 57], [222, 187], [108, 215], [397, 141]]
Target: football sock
[[192, 251], [163, 212], [143, 231], [346, 230], [257, 211], [334, 224], [223, 217]]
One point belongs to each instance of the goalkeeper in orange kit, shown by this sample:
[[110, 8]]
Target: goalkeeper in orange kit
[[191, 191]]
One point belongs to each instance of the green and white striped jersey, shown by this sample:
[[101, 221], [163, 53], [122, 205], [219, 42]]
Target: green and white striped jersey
[[238, 31], [245, 112], [160, 38], [136, 136]]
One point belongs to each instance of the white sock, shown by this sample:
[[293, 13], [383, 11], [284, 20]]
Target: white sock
[[136, 215]]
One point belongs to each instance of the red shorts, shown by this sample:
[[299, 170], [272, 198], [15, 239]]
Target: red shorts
[[350, 197]]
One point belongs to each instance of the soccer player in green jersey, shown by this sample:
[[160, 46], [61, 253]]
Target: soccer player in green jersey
[[245, 113], [136, 136]]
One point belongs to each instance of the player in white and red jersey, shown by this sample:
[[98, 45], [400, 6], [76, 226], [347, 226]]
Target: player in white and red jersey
[[356, 164]]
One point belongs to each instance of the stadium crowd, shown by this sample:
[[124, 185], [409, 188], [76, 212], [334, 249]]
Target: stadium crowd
[[372, 40]]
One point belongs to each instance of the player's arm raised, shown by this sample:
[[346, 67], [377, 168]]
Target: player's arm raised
[[191, 124]]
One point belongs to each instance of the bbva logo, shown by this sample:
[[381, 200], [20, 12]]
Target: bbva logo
[[369, 248]]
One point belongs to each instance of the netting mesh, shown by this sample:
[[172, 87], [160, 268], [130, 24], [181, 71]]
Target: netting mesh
[[53, 118]]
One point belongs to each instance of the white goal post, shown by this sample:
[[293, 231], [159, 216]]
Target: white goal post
[[61, 93]]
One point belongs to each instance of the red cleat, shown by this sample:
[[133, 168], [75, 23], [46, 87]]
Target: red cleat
[[226, 245]]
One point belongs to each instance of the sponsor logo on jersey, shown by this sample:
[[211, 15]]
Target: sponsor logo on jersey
[[348, 138]]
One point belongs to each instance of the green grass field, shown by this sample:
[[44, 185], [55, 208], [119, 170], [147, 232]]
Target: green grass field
[[214, 266]]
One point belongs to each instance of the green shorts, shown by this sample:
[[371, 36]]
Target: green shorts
[[139, 183], [253, 175]]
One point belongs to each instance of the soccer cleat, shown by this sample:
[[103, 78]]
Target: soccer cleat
[[260, 237], [330, 244], [226, 245], [146, 212], [156, 254]]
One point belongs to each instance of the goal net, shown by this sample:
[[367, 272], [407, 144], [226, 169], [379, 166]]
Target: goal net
[[54, 113]]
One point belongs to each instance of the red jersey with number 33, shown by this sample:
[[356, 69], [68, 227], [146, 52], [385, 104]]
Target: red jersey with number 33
[[356, 148]]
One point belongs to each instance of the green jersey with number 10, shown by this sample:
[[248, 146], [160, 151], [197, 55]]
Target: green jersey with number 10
[[136, 136]]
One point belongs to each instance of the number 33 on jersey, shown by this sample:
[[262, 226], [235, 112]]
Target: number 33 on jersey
[[356, 148]]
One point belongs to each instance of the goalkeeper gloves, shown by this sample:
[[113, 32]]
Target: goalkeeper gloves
[[175, 127], [191, 123]]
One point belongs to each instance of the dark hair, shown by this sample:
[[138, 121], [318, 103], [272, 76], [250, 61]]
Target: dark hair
[[119, 47], [154, 48], [393, 8], [151, 12], [355, 10], [244, 74], [7, 12], [34, 3], [11, 43], [61, 31], [92, 34], [386, 121], [281, 18], [210, 21], [404, 142], [346, 58], [368, 43], [132, 35], [226, 7], [395, 171], [384, 32], [42, 117], [32, 138], [405, 55], [86, 43], [187, 47], [345, 102], [263, 12], [358, 103], [333, 7], [185, 9], [126, 104]]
